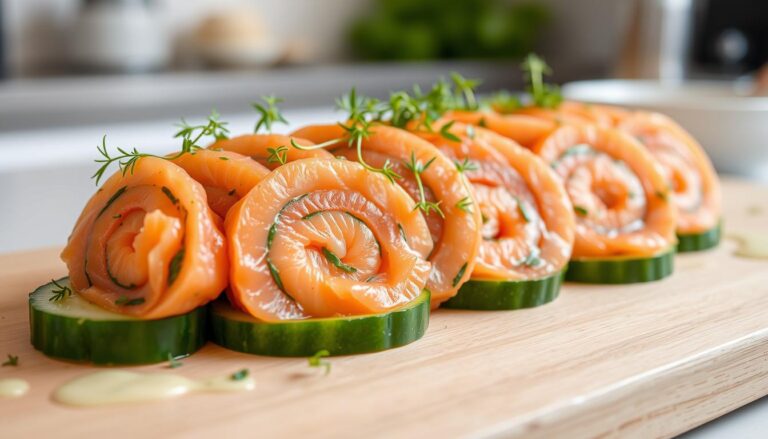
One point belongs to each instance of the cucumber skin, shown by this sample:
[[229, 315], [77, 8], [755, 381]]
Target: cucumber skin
[[695, 242], [621, 270], [339, 335], [485, 295], [120, 342]]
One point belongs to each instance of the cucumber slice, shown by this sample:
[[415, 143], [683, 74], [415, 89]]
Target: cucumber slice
[[699, 241], [238, 331], [506, 295], [72, 328], [621, 270]]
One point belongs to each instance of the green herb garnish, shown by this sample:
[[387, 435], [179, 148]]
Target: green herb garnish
[[174, 362], [61, 292], [417, 168], [542, 94], [465, 204], [126, 159], [317, 360], [465, 92], [580, 210], [505, 103], [13, 360], [446, 133], [524, 210], [278, 155], [239, 375], [336, 261], [459, 275], [465, 166], [270, 113]]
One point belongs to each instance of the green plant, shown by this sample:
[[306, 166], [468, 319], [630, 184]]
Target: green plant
[[432, 29]]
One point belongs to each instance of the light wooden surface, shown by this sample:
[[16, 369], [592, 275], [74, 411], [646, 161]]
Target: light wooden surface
[[642, 360]]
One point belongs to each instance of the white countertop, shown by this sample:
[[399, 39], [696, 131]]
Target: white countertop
[[45, 181]]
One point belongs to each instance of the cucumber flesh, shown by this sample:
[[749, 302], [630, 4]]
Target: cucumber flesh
[[489, 295], [241, 332], [621, 270], [74, 329], [693, 242]]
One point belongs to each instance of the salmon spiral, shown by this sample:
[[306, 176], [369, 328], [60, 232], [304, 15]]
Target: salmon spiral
[[320, 238], [147, 244], [454, 232], [619, 194], [689, 172], [528, 224]]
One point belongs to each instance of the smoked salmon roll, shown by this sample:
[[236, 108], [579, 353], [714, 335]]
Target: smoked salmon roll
[[524, 129], [578, 113], [270, 150], [433, 181], [147, 244], [319, 260], [528, 221], [226, 176], [689, 174], [625, 216]]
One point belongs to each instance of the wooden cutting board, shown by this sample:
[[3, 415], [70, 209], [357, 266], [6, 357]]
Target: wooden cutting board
[[646, 360]]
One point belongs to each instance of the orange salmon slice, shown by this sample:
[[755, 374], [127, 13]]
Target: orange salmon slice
[[528, 221], [620, 197], [524, 129], [270, 150], [454, 231], [147, 244], [687, 168], [321, 238], [226, 176]]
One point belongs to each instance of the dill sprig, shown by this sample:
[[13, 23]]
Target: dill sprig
[[465, 204], [13, 360], [361, 111], [417, 168], [542, 94], [318, 360], [60, 292], [466, 166], [445, 132], [270, 113], [190, 135], [464, 94], [278, 155]]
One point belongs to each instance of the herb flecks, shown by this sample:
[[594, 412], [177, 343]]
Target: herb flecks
[[278, 155], [318, 360], [126, 301], [445, 132], [173, 362], [59, 293], [459, 275], [190, 136], [466, 166], [465, 204], [239, 375], [542, 94], [269, 113], [581, 211], [418, 168], [337, 262], [13, 360]]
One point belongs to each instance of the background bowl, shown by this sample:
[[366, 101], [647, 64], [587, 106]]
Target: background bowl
[[730, 125]]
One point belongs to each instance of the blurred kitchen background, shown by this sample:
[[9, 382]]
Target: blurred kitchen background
[[74, 70]]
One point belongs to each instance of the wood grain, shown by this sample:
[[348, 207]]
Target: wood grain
[[640, 360]]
